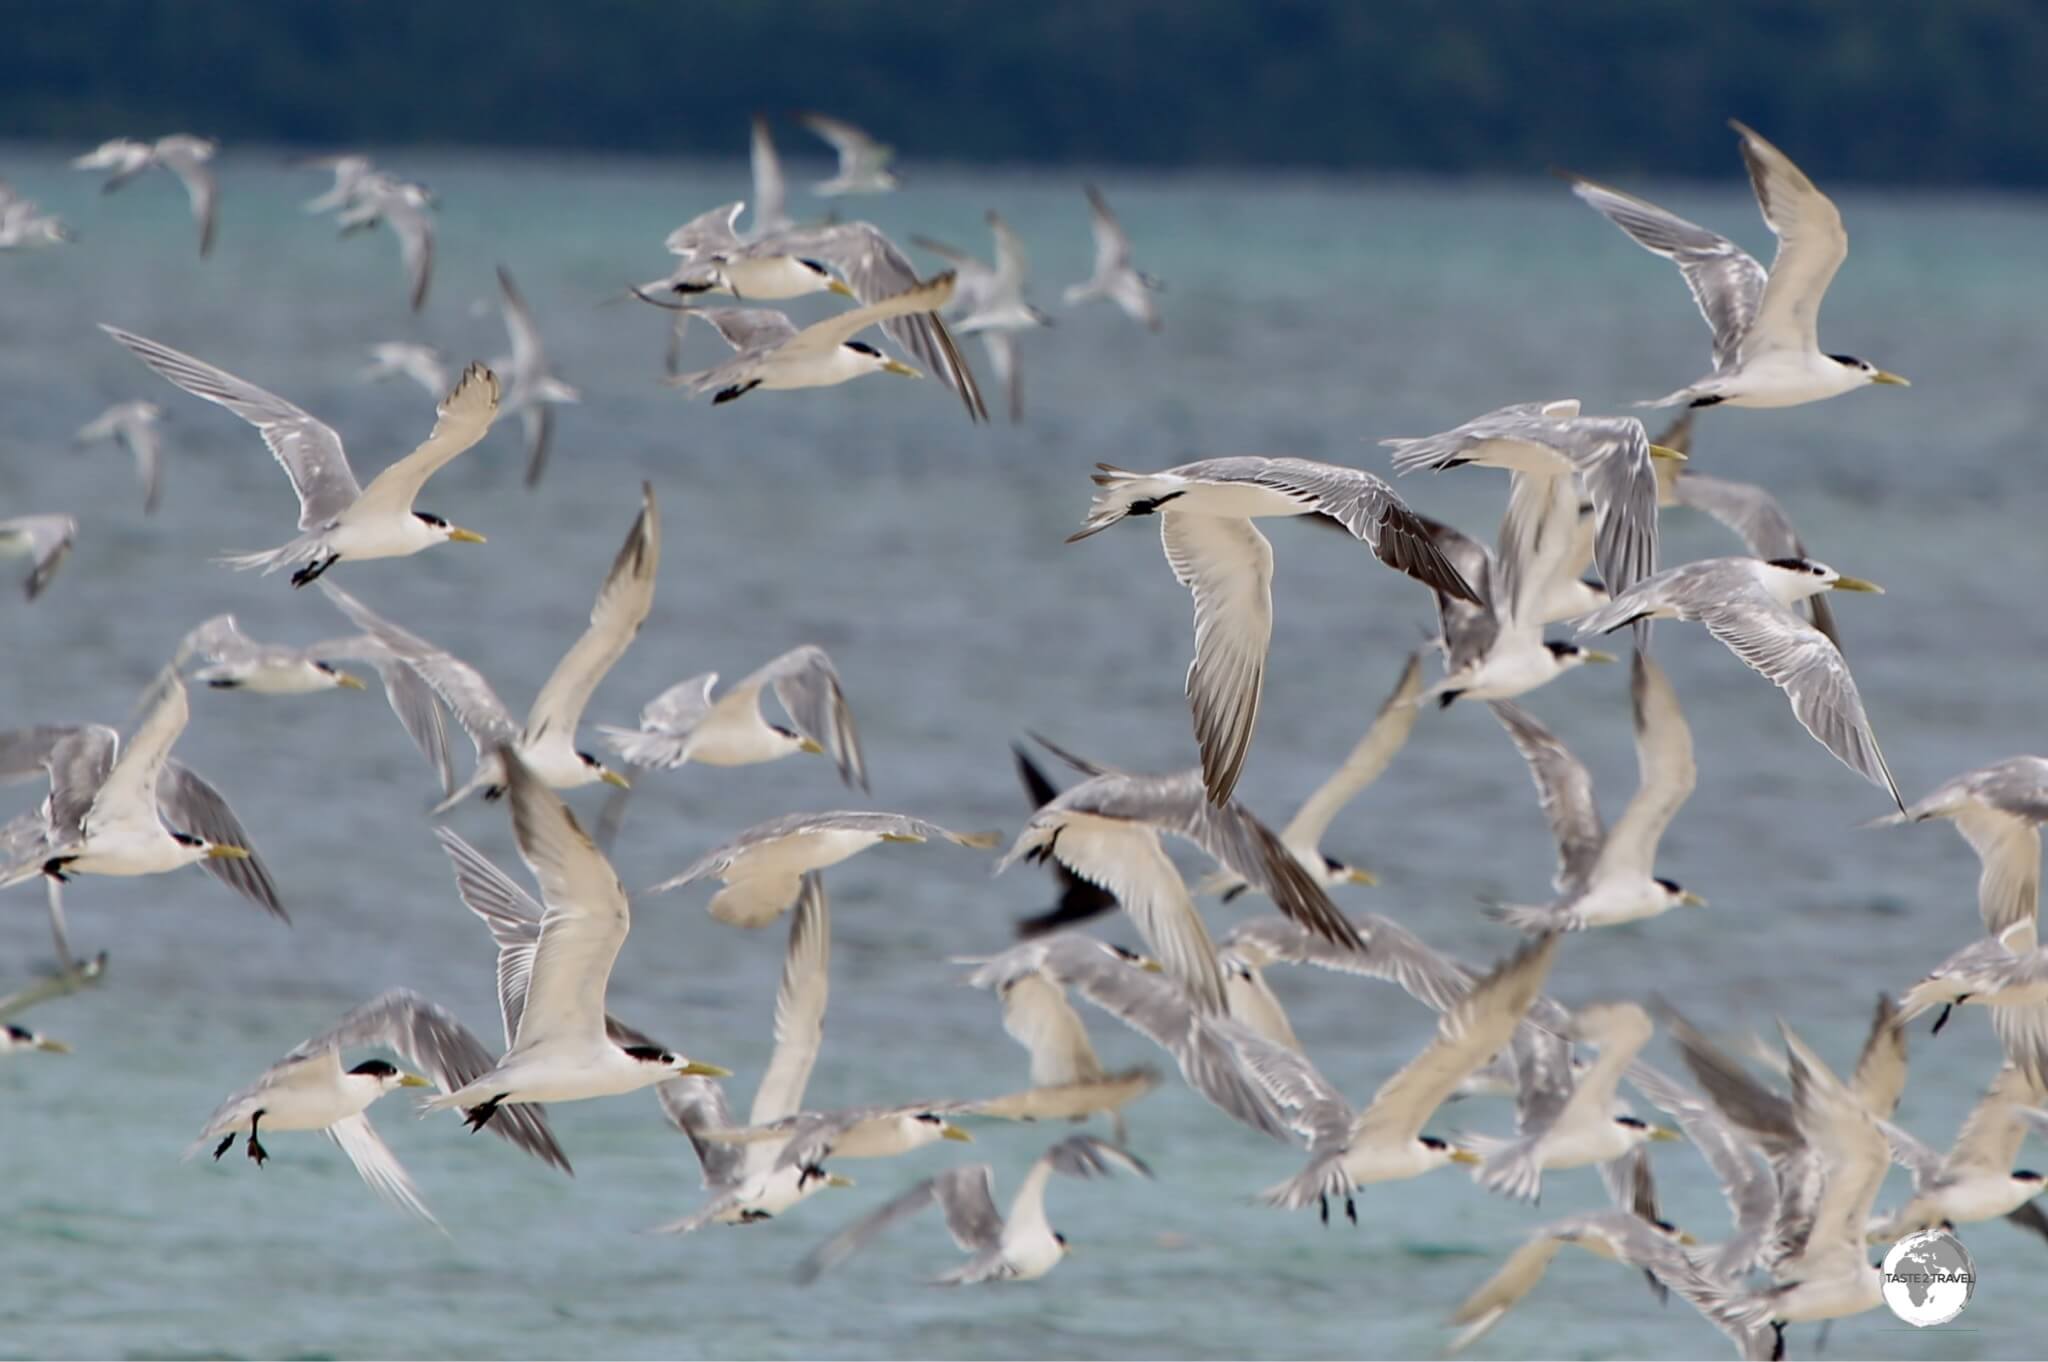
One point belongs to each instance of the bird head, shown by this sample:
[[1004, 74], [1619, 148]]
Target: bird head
[[599, 771], [388, 1075], [454, 534], [1675, 895], [338, 677], [1869, 372]]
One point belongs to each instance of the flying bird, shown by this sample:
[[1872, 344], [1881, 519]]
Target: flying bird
[[1115, 278], [863, 162], [45, 540], [181, 154], [535, 390], [134, 425], [771, 353]]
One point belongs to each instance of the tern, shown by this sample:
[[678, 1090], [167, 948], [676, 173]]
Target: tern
[[547, 743], [1609, 876], [1385, 1143], [134, 425], [684, 724], [339, 519], [45, 540], [990, 302], [115, 810], [1021, 1248], [535, 391], [23, 223], [762, 869], [1205, 514], [1080, 899], [561, 1051], [1999, 810], [1766, 346], [237, 662], [718, 258], [863, 162], [350, 170], [16, 1039], [402, 206], [423, 364], [2008, 974], [309, 1090], [1976, 1179], [1746, 603], [771, 353], [183, 155], [1653, 1246], [1106, 830], [1115, 278]]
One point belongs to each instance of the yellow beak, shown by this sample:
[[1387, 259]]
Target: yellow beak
[[835, 1180], [1664, 1134], [461, 536], [1686, 1239], [348, 682], [1465, 1156], [703, 1070], [1150, 966], [614, 778], [950, 1131], [810, 745], [55, 1047], [1691, 900], [413, 1081], [842, 290], [1595, 655], [1889, 380], [895, 366], [1353, 875], [1667, 452], [221, 853], [1858, 584]]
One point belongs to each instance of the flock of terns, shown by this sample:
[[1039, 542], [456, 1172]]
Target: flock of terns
[[1800, 1151]]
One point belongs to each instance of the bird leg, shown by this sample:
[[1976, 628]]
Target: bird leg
[[1777, 1340], [735, 391], [1350, 1209], [256, 1150], [478, 1117], [1942, 1020], [1324, 1202], [311, 571]]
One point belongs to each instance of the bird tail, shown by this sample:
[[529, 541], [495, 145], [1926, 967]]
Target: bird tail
[[1512, 1170], [1122, 493], [1323, 1180], [304, 549], [1524, 918]]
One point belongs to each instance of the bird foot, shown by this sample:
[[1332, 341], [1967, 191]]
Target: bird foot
[[1777, 1340], [311, 571], [1942, 1020], [257, 1151], [1350, 1210], [222, 1147], [478, 1117]]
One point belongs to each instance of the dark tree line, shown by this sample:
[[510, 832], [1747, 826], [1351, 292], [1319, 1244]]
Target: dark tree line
[[1897, 91]]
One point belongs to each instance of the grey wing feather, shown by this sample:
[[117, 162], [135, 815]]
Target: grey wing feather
[[694, 1104], [193, 806], [462, 688], [47, 539], [807, 686], [1564, 788], [856, 1236]]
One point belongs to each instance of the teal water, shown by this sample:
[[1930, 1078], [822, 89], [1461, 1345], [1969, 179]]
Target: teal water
[[1303, 316]]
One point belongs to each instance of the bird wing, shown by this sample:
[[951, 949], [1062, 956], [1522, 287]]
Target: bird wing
[[1384, 737], [1726, 281], [696, 1105], [1038, 1017], [1990, 1138], [307, 449], [378, 1166], [462, 688], [622, 606], [460, 421], [1853, 1151], [1312, 1105], [1620, 1030], [1666, 773], [749, 328], [2009, 885], [858, 153], [183, 157], [1535, 543], [770, 193], [967, 1194], [1747, 1185], [529, 360], [1112, 247], [415, 233], [1565, 790], [807, 686], [1812, 245], [145, 446], [129, 793], [1879, 1078], [586, 916], [511, 914], [1467, 1036], [1800, 661], [1362, 504], [406, 691], [78, 761], [1228, 566], [708, 233], [191, 805], [799, 1007], [47, 540], [828, 335]]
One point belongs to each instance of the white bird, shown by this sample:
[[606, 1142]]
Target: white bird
[[684, 724], [1115, 278], [402, 206], [1607, 876], [423, 364], [1766, 344], [339, 519], [183, 155], [560, 1050], [237, 662], [1566, 1121], [1999, 810], [309, 1090], [23, 223], [1205, 524], [1384, 737], [1385, 1143], [771, 353], [547, 742], [990, 302], [1022, 1248], [863, 162], [754, 266], [535, 389], [1031, 980], [2008, 974], [1746, 603], [45, 540], [1829, 1275], [762, 869], [17, 1039], [1976, 1179], [134, 425], [1653, 1246], [125, 811], [1552, 450], [1106, 830]]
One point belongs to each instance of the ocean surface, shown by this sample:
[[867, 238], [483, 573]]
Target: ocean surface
[[1304, 316]]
